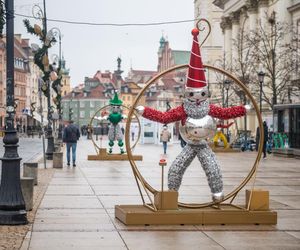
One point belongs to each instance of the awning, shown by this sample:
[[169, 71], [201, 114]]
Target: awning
[[38, 117]]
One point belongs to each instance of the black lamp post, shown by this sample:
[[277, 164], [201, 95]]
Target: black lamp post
[[12, 205], [227, 83], [261, 76]]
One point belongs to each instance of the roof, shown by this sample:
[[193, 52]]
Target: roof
[[93, 93], [181, 57]]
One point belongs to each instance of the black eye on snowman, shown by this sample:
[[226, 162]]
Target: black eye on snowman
[[191, 94], [203, 94]]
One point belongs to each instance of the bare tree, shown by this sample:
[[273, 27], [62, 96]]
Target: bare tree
[[273, 48]]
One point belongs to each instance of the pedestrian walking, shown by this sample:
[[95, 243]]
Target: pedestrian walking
[[165, 137], [266, 138], [70, 137]]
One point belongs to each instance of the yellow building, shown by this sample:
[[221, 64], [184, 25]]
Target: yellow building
[[129, 91], [66, 86]]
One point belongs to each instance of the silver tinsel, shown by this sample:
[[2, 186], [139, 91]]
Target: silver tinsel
[[208, 162], [205, 155], [115, 132], [196, 111]]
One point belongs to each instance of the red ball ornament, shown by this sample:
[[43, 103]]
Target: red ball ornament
[[195, 32]]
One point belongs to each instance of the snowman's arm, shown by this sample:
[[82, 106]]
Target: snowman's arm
[[173, 115], [226, 113]]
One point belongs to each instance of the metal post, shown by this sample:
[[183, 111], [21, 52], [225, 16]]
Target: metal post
[[60, 128], [227, 131], [260, 96], [12, 205], [42, 122], [50, 145]]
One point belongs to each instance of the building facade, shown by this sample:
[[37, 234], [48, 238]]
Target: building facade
[[248, 17]]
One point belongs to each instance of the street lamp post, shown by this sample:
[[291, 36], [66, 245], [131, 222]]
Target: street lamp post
[[12, 205], [227, 83], [42, 61], [261, 76]]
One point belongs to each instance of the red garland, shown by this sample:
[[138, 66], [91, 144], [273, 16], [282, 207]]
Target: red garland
[[226, 113], [178, 114], [173, 115]]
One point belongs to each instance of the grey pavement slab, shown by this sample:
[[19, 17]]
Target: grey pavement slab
[[265, 240], [77, 211]]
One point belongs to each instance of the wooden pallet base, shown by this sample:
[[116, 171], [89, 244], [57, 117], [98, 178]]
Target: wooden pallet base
[[225, 214], [104, 156]]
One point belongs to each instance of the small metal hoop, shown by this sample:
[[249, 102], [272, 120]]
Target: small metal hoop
[[97, 148]]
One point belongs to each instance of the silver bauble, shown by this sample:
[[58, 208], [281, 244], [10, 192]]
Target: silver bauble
[[194, 131]]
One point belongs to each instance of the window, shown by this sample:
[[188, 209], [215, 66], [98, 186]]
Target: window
[[82, 114], [82, 104], [92, 104], [92, 113]]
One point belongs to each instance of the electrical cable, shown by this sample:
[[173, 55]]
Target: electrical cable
[[111, 24]]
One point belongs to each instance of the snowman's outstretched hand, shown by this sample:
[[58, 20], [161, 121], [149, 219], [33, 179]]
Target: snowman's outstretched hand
[[140, 110], [247, 107]]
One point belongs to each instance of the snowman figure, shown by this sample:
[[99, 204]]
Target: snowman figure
[[115, 117], [197, 125]]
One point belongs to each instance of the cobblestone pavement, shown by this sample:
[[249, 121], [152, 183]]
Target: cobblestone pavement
[[77, 211]]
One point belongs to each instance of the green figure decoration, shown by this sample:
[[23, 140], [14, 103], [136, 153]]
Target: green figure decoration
[[115, 117]]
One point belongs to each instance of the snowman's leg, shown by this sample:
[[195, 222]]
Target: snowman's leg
[[212, 170], [178, 167], [119, 138]]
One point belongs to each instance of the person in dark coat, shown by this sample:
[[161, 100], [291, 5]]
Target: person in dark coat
[[266, 137], [70, 137]]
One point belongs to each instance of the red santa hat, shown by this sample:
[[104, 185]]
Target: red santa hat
[[196, 75]]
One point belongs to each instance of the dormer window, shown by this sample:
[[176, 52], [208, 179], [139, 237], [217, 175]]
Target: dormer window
[[85, 94]]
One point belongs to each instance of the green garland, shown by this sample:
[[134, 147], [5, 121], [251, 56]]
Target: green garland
[[31, 30], [38, 60], [2, 19]]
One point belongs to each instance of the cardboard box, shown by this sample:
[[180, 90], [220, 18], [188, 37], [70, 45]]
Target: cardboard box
[[167, 200], [259, 199]]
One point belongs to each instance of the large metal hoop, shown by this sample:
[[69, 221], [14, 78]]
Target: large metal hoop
[[253, 170], [97, 148]]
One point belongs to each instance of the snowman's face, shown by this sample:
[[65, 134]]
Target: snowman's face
[[196, 96], [115, 109]]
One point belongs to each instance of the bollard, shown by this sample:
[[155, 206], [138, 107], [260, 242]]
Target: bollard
[[57, 160], [30, 169], [57, 147], [27, 190]]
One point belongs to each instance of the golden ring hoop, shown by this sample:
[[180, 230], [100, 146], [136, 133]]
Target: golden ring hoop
[[233, 193], [97, 148]]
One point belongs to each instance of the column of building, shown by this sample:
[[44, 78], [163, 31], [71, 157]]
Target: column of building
[[252, 10], [226, 25], [263, 6], [235, 17]]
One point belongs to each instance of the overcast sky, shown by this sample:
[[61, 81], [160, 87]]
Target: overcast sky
[[90, 48]]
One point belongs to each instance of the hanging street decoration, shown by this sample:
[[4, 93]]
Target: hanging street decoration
[[41, 59]]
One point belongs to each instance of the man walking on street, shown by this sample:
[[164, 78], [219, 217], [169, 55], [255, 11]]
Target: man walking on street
[[70, 137], [165, 137]]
